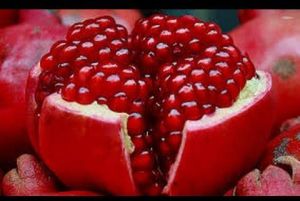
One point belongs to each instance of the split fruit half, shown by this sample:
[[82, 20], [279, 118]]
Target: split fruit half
[[173, 108]]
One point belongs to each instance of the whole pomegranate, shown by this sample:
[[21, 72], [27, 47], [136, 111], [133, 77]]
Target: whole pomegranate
[[31, 178], [155, 112], [22, 46], [272, 43], [273, 181], [286, 143]]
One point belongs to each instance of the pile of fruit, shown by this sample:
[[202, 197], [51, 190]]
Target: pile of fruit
[[112, 103]]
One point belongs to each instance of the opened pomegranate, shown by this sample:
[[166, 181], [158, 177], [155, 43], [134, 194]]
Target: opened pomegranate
[[32, 178], [280, 180], [155, 112]]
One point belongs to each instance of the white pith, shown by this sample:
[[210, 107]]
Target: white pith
[[251, 91]]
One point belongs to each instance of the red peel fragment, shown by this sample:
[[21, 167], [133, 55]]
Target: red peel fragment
[[273, 181], [31, 178]]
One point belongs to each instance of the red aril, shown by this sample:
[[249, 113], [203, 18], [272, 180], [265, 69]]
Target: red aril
[[137, 129]]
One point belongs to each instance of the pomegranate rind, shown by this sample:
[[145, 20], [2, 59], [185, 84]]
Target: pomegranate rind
[[29, 178], [273, 181], [215, 153], [286, 143], [91, 141], [31, 87]]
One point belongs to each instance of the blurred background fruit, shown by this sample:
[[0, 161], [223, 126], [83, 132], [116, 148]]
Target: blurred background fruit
[[126, 17]]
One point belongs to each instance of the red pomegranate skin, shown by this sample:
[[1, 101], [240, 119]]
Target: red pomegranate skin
[[8, 17], [21, 47], [272, 181], [125, 17], [286, 143], [278, 53], [246, 15], [32, 178]]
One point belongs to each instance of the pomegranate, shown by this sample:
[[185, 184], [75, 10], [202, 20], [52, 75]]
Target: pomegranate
[[126, 17], [148, 114], [246, 15], [286, 143], [278, 53], [32, 178], [21, 47], [273, 181]]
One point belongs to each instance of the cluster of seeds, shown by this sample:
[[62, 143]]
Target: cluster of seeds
[[170, 70], [93, 65], [196, 69], [192, 87], [162, 38]]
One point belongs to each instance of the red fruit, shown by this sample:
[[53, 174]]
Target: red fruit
[[32, 178], [278, 53], [273, 181], [290, 123], [286, 143], [132, 139], [125, 17], [21, 47], [8, 17], [246, 15], [29, 178], [40, 17]]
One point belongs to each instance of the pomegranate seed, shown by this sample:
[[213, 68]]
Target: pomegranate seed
[[136, 124], [142, 161]]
